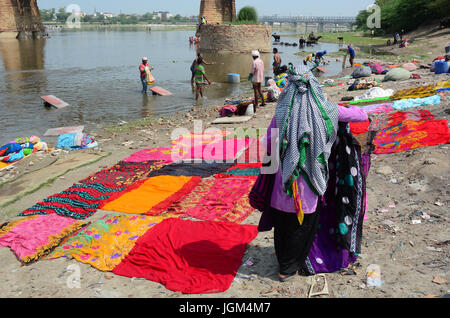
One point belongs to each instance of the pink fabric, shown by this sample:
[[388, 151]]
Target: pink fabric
[[258, 71], [25, 238], [378, 108], [163, 153], [222, 150]]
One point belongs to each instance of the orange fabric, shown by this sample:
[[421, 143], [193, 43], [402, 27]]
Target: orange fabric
[[3, 165], [148, 195]]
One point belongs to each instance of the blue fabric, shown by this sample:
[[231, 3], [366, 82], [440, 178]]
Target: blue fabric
[[320, 54], [66, 141], [144, 85], [14, 157], [351, 50], [10, 148], [416, 102]]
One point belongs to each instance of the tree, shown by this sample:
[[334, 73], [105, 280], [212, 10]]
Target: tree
[[397, 15], [47, 15], [248, 14]]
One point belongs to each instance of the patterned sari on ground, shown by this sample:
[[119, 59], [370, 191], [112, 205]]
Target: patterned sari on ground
[[104, 243]]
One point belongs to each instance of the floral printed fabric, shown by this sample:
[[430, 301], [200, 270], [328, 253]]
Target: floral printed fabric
[[104, 243], [224, 199], [410, 134], [124, 173]]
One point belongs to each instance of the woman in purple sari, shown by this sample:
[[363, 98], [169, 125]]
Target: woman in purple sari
[[317, 157]]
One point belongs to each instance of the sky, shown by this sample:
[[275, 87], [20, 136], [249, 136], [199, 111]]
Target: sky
[[192, 7]]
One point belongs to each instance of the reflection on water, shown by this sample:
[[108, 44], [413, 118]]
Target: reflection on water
[[22, 55], [96, 72]]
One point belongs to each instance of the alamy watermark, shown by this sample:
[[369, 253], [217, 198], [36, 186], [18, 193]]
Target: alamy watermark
[[374, 19], [240, 145], [74, 20], [74, 279]]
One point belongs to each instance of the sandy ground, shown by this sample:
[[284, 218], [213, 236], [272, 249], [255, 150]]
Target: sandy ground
[[414, 258]]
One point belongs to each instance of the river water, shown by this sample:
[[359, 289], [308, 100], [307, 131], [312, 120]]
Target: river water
[[96, 72]]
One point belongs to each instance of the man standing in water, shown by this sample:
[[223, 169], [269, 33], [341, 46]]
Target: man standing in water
[[199, 77], [257, 76], [199, 55], [276, 61], [143, 74]]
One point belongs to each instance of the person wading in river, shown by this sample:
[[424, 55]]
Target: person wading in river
[[276, 61], [199, 77], [199, 55], [143, 74], [257, 76]]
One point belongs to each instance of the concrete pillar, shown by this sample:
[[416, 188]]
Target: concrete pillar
[[321, 27]]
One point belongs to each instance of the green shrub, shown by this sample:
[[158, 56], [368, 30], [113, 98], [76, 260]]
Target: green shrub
[[248, 14]]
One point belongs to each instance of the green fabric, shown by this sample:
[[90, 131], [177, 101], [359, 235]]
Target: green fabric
[[199, 72], [243, 172]]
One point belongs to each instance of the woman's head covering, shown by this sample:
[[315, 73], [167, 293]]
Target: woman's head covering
[[307, 125]]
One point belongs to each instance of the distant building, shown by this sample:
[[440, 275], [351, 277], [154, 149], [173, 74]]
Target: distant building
[[162, 15], [108, 14]]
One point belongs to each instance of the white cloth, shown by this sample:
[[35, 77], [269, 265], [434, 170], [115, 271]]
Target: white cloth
[[375, 92]]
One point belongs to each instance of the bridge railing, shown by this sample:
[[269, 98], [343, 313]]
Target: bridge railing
[[307, 19]]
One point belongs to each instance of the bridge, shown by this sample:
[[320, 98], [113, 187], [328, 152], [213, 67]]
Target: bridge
[[320, 21], [20, 18]]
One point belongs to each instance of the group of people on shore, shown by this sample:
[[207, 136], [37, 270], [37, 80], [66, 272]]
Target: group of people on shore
[[318, 58]]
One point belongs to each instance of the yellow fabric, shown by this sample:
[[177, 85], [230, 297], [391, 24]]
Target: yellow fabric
[[150, 193], [104, 243], [298, 203], [149, 77], [421, 91], [309, 58], [443, 84]]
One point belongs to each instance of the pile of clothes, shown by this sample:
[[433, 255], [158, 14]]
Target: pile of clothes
[[364, 84], [274, 91], [75, 141], [281, 80], [18, 149]]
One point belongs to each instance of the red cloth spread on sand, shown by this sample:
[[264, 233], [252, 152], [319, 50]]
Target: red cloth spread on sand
[[188, 256], [411, 134], [360, 128]]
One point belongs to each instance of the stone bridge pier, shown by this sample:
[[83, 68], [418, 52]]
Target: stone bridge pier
[[20, 19]]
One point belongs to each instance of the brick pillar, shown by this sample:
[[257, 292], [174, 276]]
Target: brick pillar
[[20, 16], [218, 11]]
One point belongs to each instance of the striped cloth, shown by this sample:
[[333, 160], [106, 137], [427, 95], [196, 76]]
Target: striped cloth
[[308, 128]]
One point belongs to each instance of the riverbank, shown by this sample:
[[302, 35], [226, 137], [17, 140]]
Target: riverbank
[[412, 256], [355, 38], [128, 27]]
